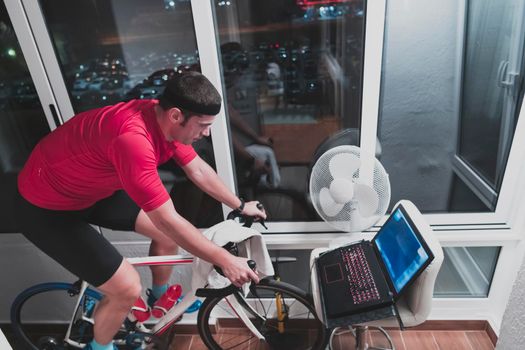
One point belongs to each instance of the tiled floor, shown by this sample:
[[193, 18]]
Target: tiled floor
[[474, 338], [406, 340], [424, 340]]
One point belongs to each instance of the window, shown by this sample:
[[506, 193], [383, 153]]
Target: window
[[292, 72], [22, 121], [449, 101], [492, 71], [466, 272], [112, 51]]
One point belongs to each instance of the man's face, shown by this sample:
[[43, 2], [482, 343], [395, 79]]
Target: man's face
[[193, 128]]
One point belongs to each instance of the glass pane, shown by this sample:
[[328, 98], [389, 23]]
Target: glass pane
[[22, 120], [488, 44], [292, 75], [466, 272], [294, 266], [462, 199], [111, 51], [421, 113]]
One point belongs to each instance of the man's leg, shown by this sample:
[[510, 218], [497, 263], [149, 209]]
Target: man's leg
[[120, 293], [67, 238], [119, 212], [160, 245]]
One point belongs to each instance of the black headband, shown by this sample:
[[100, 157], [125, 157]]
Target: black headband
[[184, 103]]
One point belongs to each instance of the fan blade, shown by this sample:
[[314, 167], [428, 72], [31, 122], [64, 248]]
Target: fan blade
[[367, 199], [328, 205], [342, 190], [344, 165]]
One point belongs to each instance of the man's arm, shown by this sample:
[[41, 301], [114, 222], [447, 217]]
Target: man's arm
[[201, 174], [167, 220], [240, 124]]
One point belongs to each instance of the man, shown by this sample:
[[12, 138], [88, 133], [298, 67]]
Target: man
[[101, 168]]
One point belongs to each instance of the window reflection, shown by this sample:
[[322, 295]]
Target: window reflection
[[292, 73], [22, 120], [111, 51]]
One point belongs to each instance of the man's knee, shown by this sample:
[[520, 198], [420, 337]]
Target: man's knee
[[129, 291], [124, 285], [164, 246]]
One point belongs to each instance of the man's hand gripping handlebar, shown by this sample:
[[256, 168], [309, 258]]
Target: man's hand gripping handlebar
[[239, 270], [248, 220], [232, 288]]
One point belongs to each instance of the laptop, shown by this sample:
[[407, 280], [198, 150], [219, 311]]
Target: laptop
[[369, 275]]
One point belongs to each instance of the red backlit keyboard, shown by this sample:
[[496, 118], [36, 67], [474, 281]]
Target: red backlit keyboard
[[363, 288]]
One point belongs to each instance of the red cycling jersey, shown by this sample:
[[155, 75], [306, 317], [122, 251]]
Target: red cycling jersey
[[98, 152]]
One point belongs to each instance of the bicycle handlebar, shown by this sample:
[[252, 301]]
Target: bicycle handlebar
[[251, 264], [246, 220], [221, 292]]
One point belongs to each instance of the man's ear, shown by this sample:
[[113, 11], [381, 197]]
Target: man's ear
[[175, 115]]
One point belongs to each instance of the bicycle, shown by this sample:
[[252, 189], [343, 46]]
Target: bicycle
[[274, 314]]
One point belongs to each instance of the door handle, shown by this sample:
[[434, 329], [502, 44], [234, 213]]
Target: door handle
[[56, 117], [502, 70], [506, 80]]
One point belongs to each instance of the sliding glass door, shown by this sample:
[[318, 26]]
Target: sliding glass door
[[491, 92]]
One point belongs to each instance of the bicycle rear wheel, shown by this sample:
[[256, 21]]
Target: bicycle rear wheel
[[299, 328], [40, 316]]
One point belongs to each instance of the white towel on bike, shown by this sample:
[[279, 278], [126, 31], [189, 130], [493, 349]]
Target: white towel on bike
[[250, 243]]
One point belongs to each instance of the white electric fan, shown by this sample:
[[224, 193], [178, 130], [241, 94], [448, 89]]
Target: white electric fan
[[350, 190]]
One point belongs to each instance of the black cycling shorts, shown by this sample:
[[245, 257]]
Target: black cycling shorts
[[68, 237]]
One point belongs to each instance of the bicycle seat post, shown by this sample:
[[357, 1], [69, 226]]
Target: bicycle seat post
[[277, 260]]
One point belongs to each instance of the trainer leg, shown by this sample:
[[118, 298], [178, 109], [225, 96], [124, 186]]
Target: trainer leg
[[160, 245], [120, 293]]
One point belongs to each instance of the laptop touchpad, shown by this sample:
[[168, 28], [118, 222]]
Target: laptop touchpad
[[333, 273]]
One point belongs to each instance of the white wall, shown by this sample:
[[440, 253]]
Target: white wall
[[511, 334], [419, 98]]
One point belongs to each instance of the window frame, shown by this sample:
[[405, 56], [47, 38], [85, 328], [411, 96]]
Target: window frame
[[27, 39]]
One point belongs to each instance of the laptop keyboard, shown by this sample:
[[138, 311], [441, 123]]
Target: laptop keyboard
[[361, 282]]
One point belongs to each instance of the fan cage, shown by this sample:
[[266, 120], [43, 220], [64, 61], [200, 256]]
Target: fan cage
[[349, 219]]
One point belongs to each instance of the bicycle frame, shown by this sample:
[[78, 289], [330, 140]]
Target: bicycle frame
[[176, 311]]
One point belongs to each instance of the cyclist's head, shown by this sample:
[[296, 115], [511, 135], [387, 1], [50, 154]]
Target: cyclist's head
[[234, 62], [192, 93]]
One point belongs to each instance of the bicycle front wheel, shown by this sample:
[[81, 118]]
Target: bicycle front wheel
[[41, 314], [281, 313]]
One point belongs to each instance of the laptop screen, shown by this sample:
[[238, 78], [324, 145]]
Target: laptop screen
[[402, 249]]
